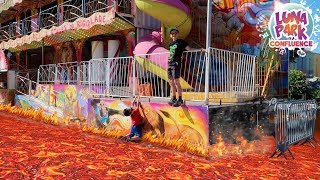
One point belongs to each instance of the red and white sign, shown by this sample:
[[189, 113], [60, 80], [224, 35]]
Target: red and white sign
[[98, 18]]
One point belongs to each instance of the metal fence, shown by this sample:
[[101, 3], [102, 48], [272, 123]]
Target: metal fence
[[152, 77], [294, 122], [41, 92], [110, 76], [68, 73], [47, 74], [56, 15], [232, 75]]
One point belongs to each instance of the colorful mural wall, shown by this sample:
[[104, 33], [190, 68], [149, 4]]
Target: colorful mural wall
[[3, 96], [72, 102], [186, 122], [241, 23], [242, 27], [71, 98]]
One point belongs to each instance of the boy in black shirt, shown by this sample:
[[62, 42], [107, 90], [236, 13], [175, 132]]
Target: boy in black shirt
[[176, 48]]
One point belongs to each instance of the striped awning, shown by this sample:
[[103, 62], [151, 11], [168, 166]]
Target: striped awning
[[97, 24]]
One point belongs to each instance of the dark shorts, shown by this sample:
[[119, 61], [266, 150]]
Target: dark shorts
[[174, 70], [136, 130]]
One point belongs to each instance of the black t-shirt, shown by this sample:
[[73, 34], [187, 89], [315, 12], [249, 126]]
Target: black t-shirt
[[176, 49]]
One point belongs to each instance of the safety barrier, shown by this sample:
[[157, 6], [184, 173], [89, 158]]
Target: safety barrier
[[294, 122], [40, 92], [232, 75], [110, 76], [67, 73], [152, 78], [47, 74]]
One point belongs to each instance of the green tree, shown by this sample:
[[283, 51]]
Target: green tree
[[297, 84]]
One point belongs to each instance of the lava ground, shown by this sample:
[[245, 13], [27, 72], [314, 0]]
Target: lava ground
[[31, 149]]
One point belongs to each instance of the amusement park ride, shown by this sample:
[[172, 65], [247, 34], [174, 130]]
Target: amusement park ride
[[112, 50]]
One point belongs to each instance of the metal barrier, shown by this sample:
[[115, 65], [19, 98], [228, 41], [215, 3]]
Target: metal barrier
[[44, 93], [47, 73], [84, 72], [68, 73], [232, 74], [110, 76], [68, 11], [152, 77], [294, 121]]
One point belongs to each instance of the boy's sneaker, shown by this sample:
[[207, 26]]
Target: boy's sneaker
[[178, 103], [172, 101]]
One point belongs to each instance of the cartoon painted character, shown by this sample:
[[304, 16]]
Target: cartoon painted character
[[104, 113], [71, 100], [101, 113]]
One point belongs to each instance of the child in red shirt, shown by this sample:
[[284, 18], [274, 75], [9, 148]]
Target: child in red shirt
[[136, 119]]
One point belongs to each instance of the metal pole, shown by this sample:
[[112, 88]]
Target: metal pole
[[42, 53], [134, 76], [208, 44], [26, 59]]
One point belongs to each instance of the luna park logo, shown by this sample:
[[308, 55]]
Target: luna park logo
[[291, 26]]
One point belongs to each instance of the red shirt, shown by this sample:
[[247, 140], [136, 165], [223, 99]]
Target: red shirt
[[136, 117]]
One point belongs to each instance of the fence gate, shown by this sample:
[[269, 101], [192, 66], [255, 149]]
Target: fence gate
[[294, 121]]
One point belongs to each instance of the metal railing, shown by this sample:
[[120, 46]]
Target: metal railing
[[125, 6], [49, 17], [110, 76], [68, 73], [84, 72], [152, 77], [71, 10], [68, 11], [232, 75], [93, 6], [31, 74], [44, 93], [47, 74], [294, 122]]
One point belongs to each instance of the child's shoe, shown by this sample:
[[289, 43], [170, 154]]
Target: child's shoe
[[172, 101], [178, 103]]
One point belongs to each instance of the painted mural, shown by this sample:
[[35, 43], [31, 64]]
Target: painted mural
[[240, 23], [3, 96], [186, 122], [73, 103], [70, 100]]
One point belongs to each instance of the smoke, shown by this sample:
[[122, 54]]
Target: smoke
[[238, 129]]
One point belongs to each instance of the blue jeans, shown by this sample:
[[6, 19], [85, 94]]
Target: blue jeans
[[136, 130]]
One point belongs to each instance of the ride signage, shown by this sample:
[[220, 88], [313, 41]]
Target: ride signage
[[98, 18]]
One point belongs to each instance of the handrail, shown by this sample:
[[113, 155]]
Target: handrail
[[71, 10]]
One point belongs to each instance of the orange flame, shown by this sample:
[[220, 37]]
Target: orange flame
[[34, 114]]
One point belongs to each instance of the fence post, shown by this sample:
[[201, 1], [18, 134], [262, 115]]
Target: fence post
[[254, 75], [89, 75], [78, 74], [208, 44], [56, 74], [30, 86], [108, 63], [38, 75], [83, 8], [134, 76]]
